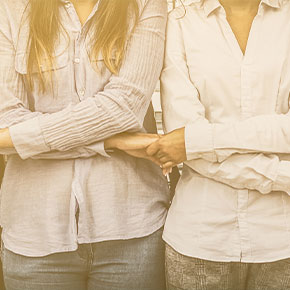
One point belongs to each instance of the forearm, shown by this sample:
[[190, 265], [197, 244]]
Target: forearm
[[5, 139]]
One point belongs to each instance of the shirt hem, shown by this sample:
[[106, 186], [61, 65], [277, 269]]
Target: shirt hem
[[123, 237], [74, 247], [200, 254]]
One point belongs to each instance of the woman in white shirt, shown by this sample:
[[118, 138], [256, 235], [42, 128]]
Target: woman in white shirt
[[72, 74], [225, 97]]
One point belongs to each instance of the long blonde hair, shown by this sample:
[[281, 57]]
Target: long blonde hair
[[110, 25]]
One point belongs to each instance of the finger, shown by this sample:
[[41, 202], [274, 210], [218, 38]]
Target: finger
[[165, 159], [165, 172], [168, 165], [159, 155], [156, 161], [152, 149]]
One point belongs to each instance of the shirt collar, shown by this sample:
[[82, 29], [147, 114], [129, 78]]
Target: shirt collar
[[208, 5], [272, 3], [211, 5]]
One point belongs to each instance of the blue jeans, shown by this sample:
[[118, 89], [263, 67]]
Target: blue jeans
[[187, 273], [136, 264]]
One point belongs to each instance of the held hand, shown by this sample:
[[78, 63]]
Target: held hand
[[5, 139], [169, 149], [135, 144]]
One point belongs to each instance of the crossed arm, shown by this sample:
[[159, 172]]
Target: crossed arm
[[250, 148]]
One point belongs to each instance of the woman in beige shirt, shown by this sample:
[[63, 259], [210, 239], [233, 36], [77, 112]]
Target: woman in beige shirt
[[225, 96], [72, 74]]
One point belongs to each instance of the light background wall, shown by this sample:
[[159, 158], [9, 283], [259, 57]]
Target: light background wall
[[156, 95]]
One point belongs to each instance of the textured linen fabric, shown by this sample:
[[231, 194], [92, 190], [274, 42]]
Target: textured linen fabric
[[231, 203], [58, 134]]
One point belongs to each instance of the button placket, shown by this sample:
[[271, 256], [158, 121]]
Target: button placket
[[82, 92], [73, 15], [245, 92], [247, 73], [243, 196], [79, 41], [79, 76]]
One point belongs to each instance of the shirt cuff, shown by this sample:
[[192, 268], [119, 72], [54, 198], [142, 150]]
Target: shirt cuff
[[27, 138], [98, 147], [282, 182], [199, 141]]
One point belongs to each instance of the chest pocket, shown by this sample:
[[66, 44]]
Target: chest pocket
[[58, 91]]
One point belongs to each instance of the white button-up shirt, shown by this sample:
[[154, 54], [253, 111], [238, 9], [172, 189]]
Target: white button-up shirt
[[232, 201], [58, 133]]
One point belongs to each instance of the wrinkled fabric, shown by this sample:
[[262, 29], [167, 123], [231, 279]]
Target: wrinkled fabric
[[60, 169]]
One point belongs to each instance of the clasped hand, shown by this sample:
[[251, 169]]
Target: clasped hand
[[164, 150], [169, 149]]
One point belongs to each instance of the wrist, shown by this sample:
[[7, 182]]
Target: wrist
[[5, 139], [109, 143]]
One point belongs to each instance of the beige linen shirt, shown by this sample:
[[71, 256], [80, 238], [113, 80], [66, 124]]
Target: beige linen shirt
[[232, 201], [59, 165]]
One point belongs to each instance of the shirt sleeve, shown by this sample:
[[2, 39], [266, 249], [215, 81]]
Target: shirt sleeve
[[14, 102], [264, 173], [211, 141], [80, 152], [182, 108], [120, 107]]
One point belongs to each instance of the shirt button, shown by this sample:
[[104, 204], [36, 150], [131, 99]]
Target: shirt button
[[77, 60], [82, 92], [67, 5]]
